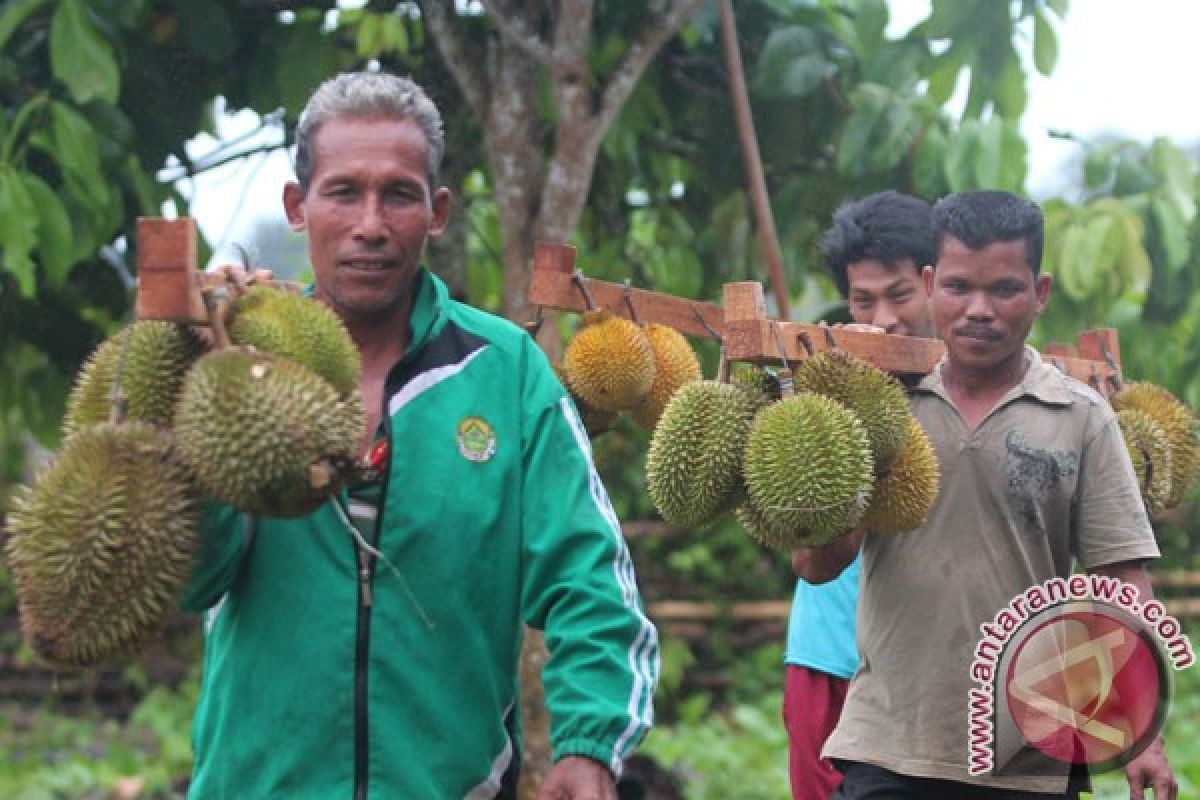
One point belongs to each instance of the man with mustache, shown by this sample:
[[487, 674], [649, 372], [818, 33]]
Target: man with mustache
[[369, 649], [875, 251], [1034, 475]]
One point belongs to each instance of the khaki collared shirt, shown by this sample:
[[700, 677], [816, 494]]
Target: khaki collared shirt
[[1044, 479]]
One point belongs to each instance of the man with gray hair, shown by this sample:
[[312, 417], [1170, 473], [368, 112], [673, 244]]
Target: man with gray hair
[[370, 649]]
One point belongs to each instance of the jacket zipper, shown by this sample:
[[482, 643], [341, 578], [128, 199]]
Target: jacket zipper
[[362, 645]]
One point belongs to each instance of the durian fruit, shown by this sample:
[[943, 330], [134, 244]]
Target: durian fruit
[[1176, 421], [102, 543], [1150, 452], [694, 463], [904, 494], [297, 327], [808, 469], [609, 363], [675, 364], [873, 395], [153, 356], [264, 434], [595, 421], [760, 382]]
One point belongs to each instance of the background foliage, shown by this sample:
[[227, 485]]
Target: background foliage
[[98, 96]]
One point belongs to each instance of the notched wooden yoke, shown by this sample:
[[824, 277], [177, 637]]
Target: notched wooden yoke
[[750, 335]]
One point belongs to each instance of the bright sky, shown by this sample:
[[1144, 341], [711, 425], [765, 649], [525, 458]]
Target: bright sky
[[1123, 67]]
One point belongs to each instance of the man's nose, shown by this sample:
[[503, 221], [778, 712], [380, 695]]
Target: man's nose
[[978, 306], [370, 223], [886, 318]]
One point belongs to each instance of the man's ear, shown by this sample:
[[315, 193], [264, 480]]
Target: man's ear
[[1041, 288], [293, 206], [441, 211]]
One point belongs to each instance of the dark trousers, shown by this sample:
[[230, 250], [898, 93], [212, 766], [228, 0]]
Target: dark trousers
[[869, 782]]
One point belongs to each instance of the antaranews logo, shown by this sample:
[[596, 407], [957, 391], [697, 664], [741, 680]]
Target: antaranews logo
[[1077, 668]]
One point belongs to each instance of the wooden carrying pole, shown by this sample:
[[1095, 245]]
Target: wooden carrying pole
[[555, 283], [751, 336], [756, 182]]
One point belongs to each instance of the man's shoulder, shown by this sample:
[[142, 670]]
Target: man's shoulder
[[505, 336]]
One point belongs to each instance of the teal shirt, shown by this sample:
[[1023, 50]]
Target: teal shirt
[[821, 631]]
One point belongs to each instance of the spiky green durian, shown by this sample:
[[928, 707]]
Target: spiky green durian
[[152, 356], [264, 434], [609, 363], [904, 494], [102, 543], [1150, 452], [1176, 421], [874, 396], [693, 466], [595, 421], [297, 327], [808, 469], [760, 382], [675, 364]]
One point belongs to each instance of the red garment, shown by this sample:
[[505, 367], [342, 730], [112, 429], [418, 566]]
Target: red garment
[[812, 703]]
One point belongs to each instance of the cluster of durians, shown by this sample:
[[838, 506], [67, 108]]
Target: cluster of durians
[[613, 365], [1160, 434], [102, 542], [800, 469]]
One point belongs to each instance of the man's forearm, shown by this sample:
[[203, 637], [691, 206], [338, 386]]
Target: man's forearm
[[823, 564]]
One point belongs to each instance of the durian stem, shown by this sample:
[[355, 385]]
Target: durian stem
[[723, 365], [215, 306], [120, 403]]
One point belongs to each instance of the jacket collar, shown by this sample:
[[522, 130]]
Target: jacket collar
[[428, 314]]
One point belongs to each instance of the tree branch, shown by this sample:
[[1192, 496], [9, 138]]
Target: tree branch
[[639, 55], [455, 50], [513, 28]]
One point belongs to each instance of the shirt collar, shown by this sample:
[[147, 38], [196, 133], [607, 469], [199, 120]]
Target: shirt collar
[[1040, 381]]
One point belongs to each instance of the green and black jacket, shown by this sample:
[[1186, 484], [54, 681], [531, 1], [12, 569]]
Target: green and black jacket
[[329, 675]]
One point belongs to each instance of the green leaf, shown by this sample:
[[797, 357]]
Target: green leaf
[[1045, 44], [73, 143], [870, 20], [1010, 89], [1000, 161], [944, 76], [18, 230], [309, 56], [55, 242], [948, 18], [1072, 266], [869, 102], [792, 63], [1177, 174], [963, 151], [927, 175], [80, 56], [13, 15], [1172, 232], [1097, 168], [1058, 7], [899, 127]]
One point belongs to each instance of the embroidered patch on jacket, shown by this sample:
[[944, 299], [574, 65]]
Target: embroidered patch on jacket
[[476, 439], [1032, 474]]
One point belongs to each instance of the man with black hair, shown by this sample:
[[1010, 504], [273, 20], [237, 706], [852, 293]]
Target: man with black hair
[[875, 251], [1034, 475]]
